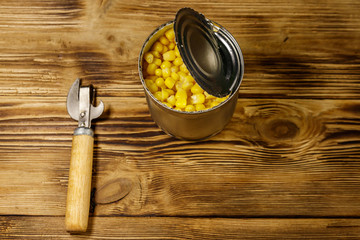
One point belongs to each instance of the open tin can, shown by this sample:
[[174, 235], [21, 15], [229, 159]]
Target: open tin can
[[214, 59]]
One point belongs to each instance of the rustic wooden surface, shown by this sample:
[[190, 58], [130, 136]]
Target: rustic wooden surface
[[287, 166]]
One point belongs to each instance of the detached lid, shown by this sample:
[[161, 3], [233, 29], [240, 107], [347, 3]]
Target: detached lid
[[203, 53]]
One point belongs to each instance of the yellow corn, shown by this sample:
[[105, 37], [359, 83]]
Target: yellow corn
[[175, 76], [166, 72], [177, 53], [168, 79], [170, 34], [196, 89], [170, 91], [178, 61], [156, 54], [169, 82], [149, 58], [168, 104], [158, 95], [187, 84], [157, 47], [158, 72], [174, 69], [199, 107], [151, 69], [171, 100], [197, 98], [160, 82], [165, 49], [171, 46], [183, 68], [157, 61], [164, 95], [182, 75], [169, 56], [190, 108], [164, 40], [165, 64], [208, 96], [181, 94], [181, 103]]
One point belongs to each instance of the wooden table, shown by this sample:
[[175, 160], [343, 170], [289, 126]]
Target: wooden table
[[287, 166]]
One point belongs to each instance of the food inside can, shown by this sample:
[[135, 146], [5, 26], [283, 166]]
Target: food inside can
[[168, 79]]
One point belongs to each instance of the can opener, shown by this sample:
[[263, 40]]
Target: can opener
[[80, 107]]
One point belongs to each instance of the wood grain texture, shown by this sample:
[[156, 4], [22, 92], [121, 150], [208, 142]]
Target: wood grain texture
[[183, 228], [79, 184], [285, 167]]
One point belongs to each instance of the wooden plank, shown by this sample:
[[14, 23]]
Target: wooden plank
[[291, 50], [18, 227], [278, 158]]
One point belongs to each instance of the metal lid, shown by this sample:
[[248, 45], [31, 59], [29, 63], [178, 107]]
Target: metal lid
[[203, 53]]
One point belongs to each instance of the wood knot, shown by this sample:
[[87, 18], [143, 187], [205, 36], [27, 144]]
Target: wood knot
[[113, 190], [281, 129]]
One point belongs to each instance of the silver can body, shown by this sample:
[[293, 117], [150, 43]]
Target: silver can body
[[197, 125]]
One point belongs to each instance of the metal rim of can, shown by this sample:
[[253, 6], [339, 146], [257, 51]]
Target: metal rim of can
[[157, 33]]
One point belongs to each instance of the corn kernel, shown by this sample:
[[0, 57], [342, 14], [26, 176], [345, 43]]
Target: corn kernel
[[178, 61], [169, 55], [181, 94], [152, 77], [171, 46], [213, 104], [160, 82], [181, 103], [157, 95], [157, 61], [197, 98], [170, 91], [158, 72], [182, 75], [174, 69], [190, 108], [156, 54], [196, 89], [168, 104], [149, 58], [157, 47], [165, 49], [164, 95], [175, 76], [170, 34], [177, 53], [148, 82], [178, 85], [183, 68], [169, 82], [166, 72], [165, 64], [187, 84], [189, 78], [164, 40], [153, 88], [171, 100], [151, 69], [208, 96], [200, 107]]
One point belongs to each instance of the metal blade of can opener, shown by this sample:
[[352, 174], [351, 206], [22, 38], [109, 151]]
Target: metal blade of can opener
[[80, 107]]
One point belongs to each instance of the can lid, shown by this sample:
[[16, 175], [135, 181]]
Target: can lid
[[203, 54]]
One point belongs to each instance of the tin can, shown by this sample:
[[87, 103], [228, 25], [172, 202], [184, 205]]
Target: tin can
[[203, 124]]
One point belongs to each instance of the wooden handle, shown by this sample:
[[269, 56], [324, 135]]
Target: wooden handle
[[79, 187]]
